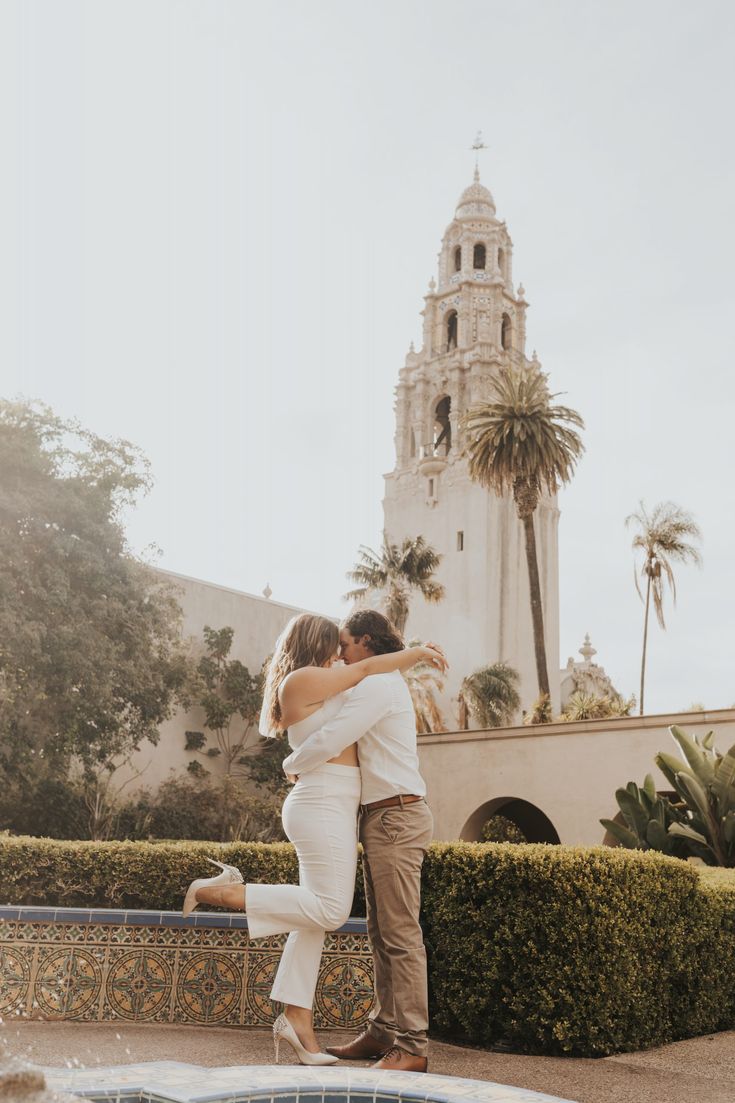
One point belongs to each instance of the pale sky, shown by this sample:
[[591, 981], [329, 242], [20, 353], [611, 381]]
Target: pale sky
[[218, 220]]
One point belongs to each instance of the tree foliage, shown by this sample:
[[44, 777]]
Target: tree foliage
[[230, 698], [663, 537], [491, 693], [90, 659], [395, 572], [520, 443]]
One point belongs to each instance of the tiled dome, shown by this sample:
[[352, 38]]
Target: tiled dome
[[476, 201]]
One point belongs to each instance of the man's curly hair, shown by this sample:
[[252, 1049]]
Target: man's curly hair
[[384, 637]]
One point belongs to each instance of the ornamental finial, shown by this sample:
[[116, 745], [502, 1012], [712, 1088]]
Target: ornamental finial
[[477, 145]]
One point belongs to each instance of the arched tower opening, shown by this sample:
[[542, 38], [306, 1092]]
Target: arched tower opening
[[501, 262], [506, 333], [530, 820], [458, 259], [451, 327], [479, 258], [412, 444], [442, 435]]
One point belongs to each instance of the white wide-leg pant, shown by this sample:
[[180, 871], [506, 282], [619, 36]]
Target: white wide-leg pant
[[320, 819]]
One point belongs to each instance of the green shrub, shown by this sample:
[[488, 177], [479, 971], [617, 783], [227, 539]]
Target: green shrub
[[183, 807], [132, 875], [557, 950], [578, 951], [499, 829]]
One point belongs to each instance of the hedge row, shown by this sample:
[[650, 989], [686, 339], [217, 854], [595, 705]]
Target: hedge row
[[132, 875], [570, 950], [555, 950]]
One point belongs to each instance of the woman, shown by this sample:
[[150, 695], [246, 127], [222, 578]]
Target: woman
[[303, 691]]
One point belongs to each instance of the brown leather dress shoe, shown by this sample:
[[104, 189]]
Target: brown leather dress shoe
[[400, 1061], [363, 1048]]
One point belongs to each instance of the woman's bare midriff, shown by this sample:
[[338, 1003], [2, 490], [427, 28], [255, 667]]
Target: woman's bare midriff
[[347, 757]]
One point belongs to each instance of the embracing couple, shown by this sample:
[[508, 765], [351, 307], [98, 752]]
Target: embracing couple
[[352, 730]]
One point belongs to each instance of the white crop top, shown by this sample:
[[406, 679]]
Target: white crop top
[[299, 732]]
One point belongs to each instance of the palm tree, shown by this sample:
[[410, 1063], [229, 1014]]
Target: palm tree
[[424, 684], [522, 444], [396, 571], [491, 694], [662, 537]]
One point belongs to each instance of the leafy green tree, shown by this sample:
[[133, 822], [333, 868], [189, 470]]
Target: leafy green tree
[[230, 697], [491, 694], [663, 536], [265, 767], [90, 658], [396, 571], [520, 443]]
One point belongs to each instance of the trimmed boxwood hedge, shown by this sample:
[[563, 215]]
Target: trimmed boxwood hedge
[[132, 875], [571, 950], [553, 949]]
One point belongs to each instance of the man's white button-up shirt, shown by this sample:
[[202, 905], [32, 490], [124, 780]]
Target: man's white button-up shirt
[[378, 715]]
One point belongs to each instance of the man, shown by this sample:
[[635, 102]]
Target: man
[[395, 830]]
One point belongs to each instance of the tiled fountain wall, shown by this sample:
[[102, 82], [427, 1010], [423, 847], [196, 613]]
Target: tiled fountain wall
[[97, 966]]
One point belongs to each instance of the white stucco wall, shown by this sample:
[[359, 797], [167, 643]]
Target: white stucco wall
[[568, 771], [257, 622]]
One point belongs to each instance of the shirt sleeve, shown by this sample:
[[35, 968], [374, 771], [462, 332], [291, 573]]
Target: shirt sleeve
[[368, 703]]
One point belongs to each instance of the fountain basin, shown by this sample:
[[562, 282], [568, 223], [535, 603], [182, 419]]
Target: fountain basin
[[175, 1082]]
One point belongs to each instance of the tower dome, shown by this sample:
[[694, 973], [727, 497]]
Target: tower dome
[[476, 201]]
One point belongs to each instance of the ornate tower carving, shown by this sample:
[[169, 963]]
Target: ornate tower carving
[[474, 323]]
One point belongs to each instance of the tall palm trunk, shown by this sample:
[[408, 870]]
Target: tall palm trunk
[[645, 641], [537, 612]]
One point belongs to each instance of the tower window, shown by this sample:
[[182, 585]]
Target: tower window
[[451, 330], [460, 541], [442, 427], [479, 257], [458, 259], [431, 488], [505, 332], [412, 445], [501, 262]]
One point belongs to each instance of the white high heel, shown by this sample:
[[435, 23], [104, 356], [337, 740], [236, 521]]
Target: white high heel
[[282, 1029], [230, 875]]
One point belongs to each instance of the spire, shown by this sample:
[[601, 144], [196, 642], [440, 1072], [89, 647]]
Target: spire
[[476, 201]]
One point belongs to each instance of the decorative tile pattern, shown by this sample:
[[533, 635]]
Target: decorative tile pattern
[[173, 1082], [92, 965]]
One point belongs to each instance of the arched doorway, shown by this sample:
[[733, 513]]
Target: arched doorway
[[535, 824]]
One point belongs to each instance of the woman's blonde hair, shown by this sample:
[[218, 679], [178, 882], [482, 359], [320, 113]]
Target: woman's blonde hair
[[307, 640]]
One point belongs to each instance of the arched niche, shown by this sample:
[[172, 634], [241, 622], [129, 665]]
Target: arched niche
[[442, 429], [458, 259], [506, 332], [479, 255], [451, 328], [535, 824]]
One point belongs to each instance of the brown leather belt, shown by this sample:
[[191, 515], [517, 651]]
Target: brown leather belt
[[390, 802]]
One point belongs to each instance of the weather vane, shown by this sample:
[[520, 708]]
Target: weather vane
[[477, 145]]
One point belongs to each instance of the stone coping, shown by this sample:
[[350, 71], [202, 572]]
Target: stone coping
[[176, 1082], [137, 918]]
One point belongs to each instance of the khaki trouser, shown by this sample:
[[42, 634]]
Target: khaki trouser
[[395, 842]]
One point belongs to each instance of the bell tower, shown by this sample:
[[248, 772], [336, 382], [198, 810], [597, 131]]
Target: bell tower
[[474, 323]]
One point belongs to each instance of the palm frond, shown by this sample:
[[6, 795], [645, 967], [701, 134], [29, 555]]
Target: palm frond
[[395, 571], [519, 438], [664, 536], [492, 695]]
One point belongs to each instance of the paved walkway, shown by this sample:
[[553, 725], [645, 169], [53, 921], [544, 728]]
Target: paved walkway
[[698, 1071]]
